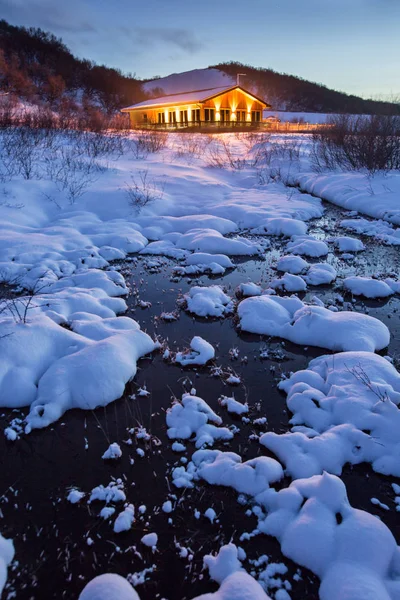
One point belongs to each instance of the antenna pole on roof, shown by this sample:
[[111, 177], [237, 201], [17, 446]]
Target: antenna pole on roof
[[238, 77]]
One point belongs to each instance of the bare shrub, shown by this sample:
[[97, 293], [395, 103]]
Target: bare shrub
[[221, 155], [276, 160], [71, 172], [191, 144], [20, 152], [354, 143], [144, 190], [18, 307]]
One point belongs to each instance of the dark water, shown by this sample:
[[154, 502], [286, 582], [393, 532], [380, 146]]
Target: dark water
[[53, 558]]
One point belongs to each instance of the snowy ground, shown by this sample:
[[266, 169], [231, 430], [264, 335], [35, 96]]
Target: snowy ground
[[181, 418]]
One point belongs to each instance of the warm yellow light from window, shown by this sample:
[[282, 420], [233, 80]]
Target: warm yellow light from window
[[233, 116], [217, 116]]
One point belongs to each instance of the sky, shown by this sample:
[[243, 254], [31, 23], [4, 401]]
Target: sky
[[348, 45]]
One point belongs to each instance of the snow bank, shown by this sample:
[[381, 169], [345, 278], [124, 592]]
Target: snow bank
[[376, 197], [380, 230], [307, 245], [6, 557], [345, 409], [208, 301], [201, 353], [297, 322], [351, 551], [195, 417], [109, 586], [368, 287]]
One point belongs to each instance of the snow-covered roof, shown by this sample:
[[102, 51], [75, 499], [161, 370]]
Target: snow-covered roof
[[185, 97]]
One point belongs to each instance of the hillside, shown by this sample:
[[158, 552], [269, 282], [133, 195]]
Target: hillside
[[283, 92], [38, 67]]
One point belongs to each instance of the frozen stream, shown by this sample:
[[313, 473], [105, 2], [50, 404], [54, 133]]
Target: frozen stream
[[60, 546]]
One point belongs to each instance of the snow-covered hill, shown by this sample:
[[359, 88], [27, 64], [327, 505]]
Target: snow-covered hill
[[189, 81]]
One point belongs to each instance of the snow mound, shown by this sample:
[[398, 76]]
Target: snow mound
[[201, 262], [368, 287], [345, 409], [208, 301], [307, 245], [299, 323], [125, 519], [227, 469], [113, 452], [238, 586], [235, 584], [233, 406], [84, 364], [202, 258], [224, 563], [195, 417], [289, 283], [6, 556], [109, 586], [347, 244], [353, 553], [150, 540], [201, 352], [249, 289], [320, 274], [281, 226], [210, 241], [292, 264], [111, 282]]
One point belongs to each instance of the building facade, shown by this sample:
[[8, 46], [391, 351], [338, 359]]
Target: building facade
[[227, 107]]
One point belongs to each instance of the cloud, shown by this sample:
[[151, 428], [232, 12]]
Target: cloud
[[183, 39], [47, 15]]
